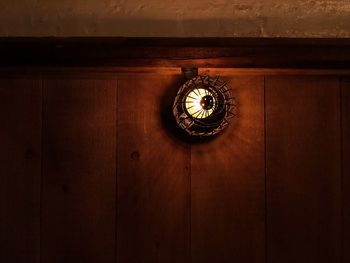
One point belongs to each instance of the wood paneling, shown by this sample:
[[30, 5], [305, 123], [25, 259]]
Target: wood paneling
[[227, 184], [303, 169], [118, 182], [20, 154], [153, 173], [345, 92], [79, 171]]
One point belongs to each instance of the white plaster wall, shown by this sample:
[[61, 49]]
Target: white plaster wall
[[176, 18]]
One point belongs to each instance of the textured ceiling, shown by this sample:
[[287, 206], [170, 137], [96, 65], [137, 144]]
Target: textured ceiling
[[176, 18]]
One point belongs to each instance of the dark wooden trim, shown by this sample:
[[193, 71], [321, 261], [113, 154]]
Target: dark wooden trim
[[176, 52]]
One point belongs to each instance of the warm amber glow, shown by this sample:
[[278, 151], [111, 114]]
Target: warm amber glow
[[194, 103]]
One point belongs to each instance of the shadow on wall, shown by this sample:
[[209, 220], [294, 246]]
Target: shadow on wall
[[310, 26]]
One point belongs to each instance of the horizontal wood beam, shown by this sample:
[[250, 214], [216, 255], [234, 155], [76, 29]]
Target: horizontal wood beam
[[176, 52]]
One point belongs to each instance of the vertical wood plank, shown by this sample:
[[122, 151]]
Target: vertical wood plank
[[79, 171], [20, 170], [227, 182], [153, 173], [345, 92], [303, 169]]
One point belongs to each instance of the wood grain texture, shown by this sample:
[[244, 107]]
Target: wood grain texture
[[345, 92], [79, 171], [20, 170], [227, 184], [303, 169], [153, 173]]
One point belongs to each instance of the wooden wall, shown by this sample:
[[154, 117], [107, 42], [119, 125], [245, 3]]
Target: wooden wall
[[92, 170]]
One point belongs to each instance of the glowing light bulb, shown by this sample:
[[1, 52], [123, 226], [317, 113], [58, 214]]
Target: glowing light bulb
[[200, 103]]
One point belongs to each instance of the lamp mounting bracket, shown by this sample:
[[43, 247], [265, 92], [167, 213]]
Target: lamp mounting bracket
[[189, 72]]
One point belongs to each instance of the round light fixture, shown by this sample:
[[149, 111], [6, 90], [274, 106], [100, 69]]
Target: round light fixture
[[203, 106]]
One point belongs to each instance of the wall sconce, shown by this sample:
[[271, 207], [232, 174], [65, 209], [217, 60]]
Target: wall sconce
[[203, 105]]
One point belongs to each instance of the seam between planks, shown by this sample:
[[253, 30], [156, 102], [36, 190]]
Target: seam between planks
[[340, 83], [190, 203], [265, 172], [41, 165], [116, 173]]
